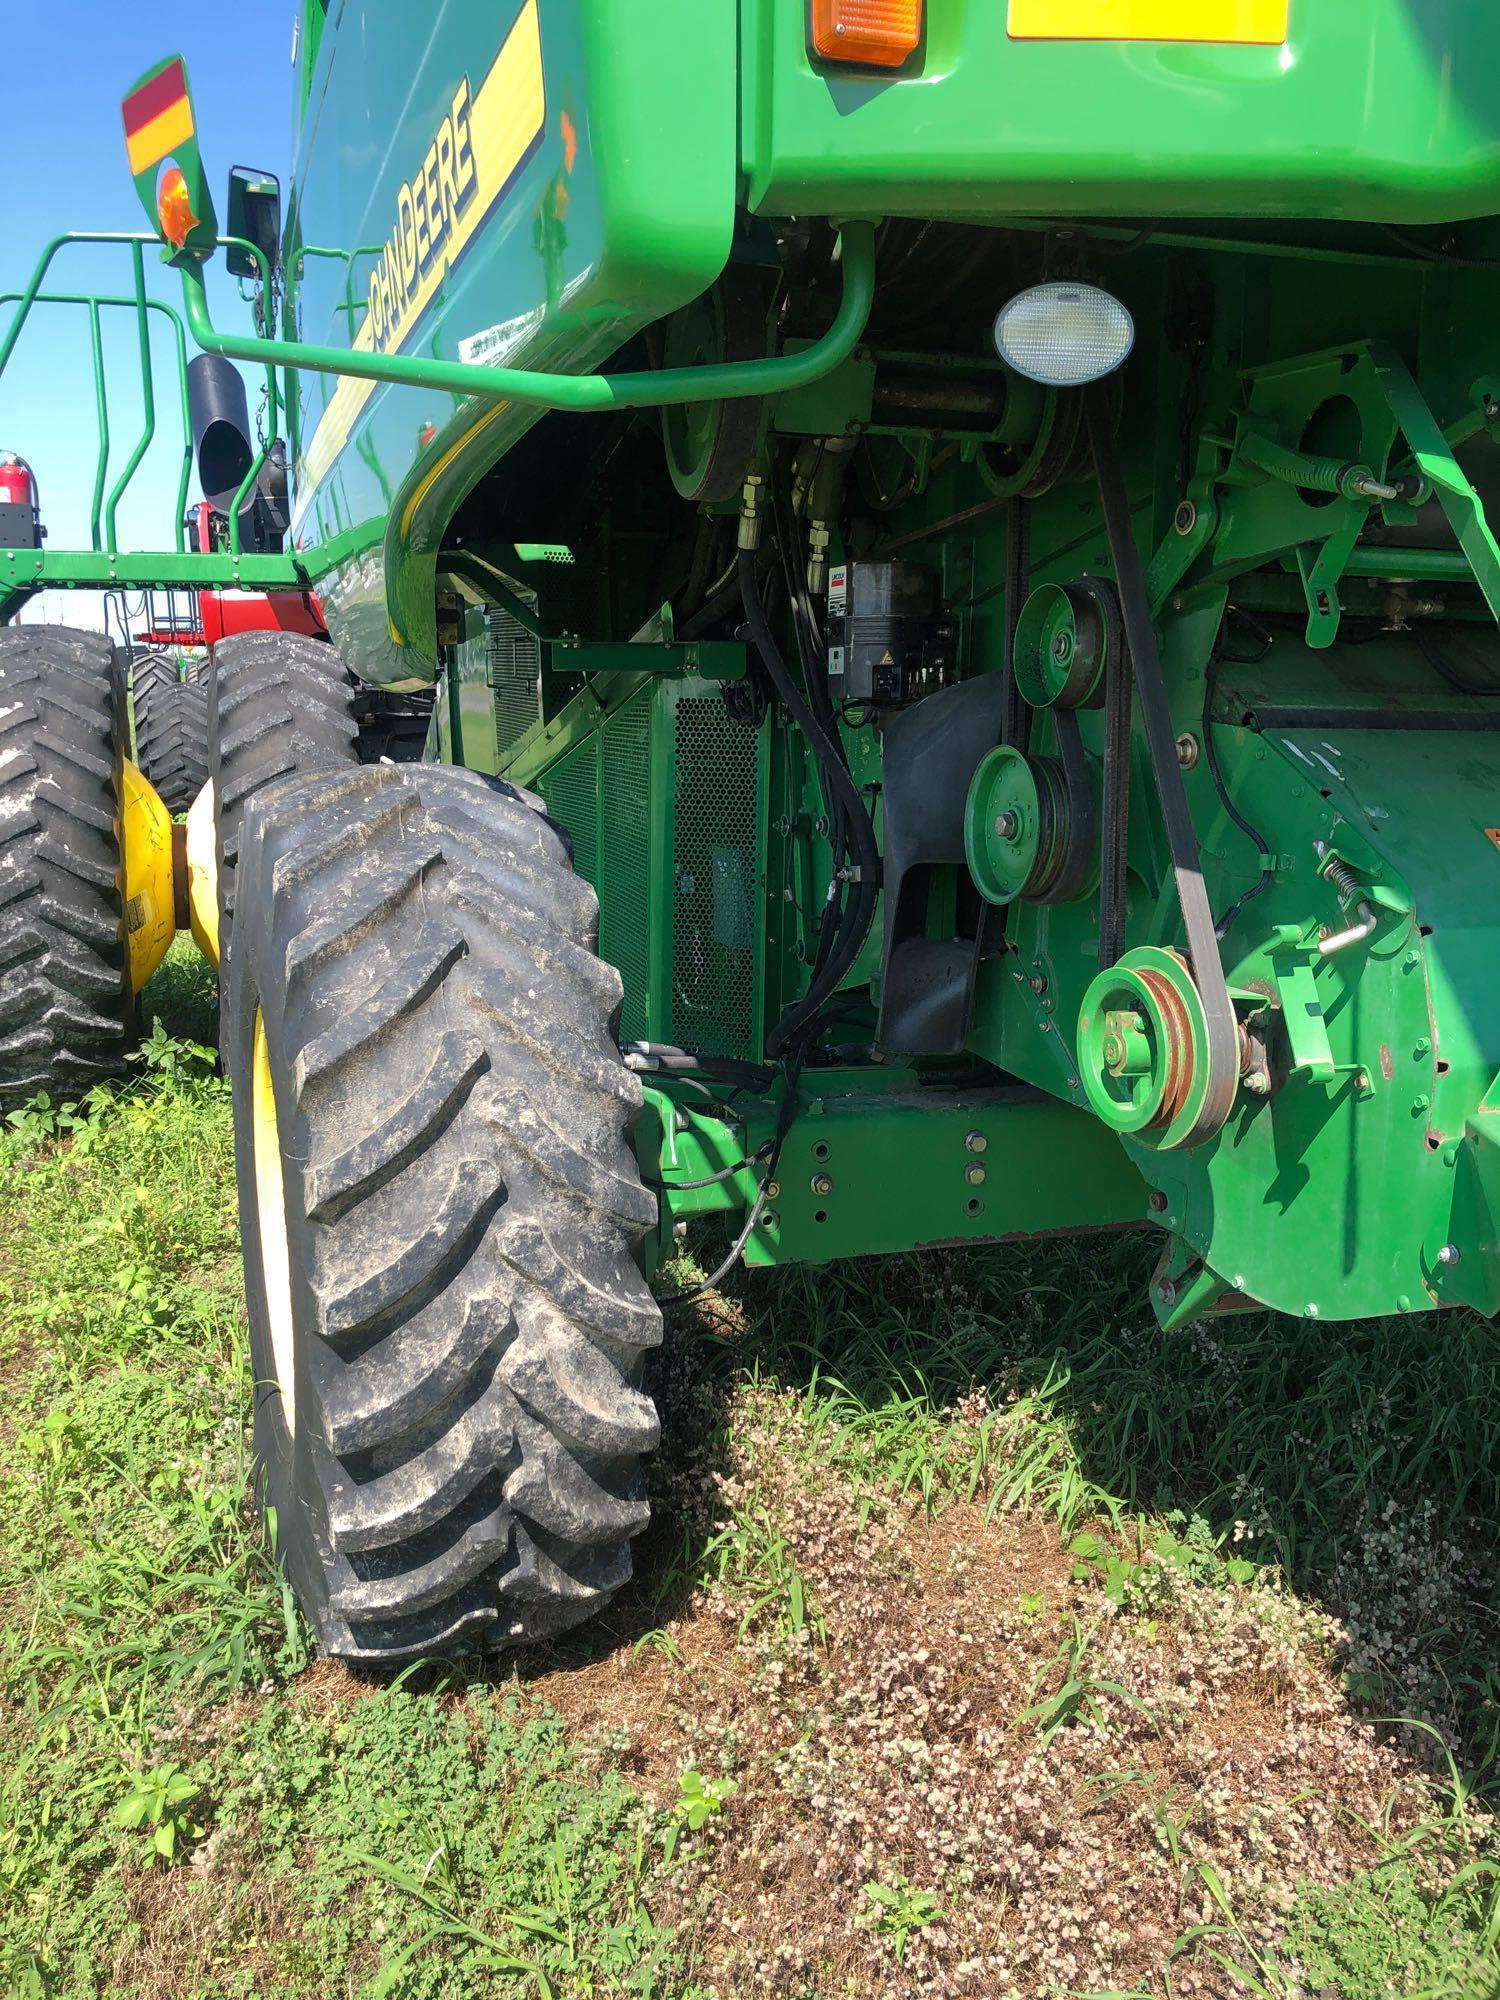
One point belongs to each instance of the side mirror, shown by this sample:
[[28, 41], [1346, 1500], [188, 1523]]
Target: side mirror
[[255, 213]]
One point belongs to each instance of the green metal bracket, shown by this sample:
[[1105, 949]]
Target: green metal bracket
[[710, 659], [1250, 500], [1183, 1288], [1302, 1009], [492, 587], [1433, 456], [648, 390]]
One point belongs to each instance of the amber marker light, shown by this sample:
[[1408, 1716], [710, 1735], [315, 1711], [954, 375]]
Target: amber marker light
[[175, 207], [882, 33]]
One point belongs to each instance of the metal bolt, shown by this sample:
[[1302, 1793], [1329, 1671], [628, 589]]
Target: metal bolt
[[1008, 825], [822, 1183], [1061, 646], [1166, 1291], [1423, 1048], [1037, 983], [1187, 750], [974, 1174], [1158, 1200], [773, 1191], [679, 1229], [976, 1142], [1449, 1255], [1419, 1104], [1186, 518]]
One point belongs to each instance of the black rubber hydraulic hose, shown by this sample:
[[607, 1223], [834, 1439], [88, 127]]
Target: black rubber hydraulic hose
[[861, 909]]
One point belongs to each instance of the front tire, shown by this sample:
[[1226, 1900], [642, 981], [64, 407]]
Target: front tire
[[67, 1012], [441, 1213]]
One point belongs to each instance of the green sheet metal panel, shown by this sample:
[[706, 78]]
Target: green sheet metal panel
[[1381, 110], [528, 183]]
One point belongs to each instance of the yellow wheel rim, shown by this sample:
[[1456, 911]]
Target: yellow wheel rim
[[270, 1224]]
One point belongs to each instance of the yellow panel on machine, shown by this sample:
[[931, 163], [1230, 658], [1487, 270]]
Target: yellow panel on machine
[[1253, 21]]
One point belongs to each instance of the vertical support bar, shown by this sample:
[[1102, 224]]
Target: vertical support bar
[[148, 401], [273, 408], [101, 401], [179, 531]]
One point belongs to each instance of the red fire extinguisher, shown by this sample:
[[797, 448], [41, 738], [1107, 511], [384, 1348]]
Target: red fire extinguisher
[[20, 510]]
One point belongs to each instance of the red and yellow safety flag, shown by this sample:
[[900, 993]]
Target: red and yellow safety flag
[[161, 137], [158, 117]]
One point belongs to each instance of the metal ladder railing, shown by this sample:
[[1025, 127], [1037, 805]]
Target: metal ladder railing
[[105, 508]]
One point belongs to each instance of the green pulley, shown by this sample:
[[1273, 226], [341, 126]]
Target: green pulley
[[1060, 648], [1143, 1048], [1021, 835]]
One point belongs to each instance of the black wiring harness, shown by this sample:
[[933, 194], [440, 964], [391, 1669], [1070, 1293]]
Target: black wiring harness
[[854, 889]]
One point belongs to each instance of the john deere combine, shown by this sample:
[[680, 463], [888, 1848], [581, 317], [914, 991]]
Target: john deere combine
[[953, 548]]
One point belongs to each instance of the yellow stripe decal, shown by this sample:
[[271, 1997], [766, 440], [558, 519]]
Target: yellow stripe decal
[[1258, 21], [163, 135], [505, 119]]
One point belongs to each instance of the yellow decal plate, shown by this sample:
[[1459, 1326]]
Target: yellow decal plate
[[1254, 21], [475, 157]]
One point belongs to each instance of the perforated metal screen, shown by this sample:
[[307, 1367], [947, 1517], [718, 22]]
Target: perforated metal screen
[[715, 868], [662, 804], [626, 847], [571, 789], [515, 673]]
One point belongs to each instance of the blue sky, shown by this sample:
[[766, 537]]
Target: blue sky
[[68, 63]]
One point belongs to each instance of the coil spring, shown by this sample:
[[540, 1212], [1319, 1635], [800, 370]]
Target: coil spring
[[1343, 879]]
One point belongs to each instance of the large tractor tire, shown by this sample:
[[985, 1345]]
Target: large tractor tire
[[279, 704], [66, 1007], [441, 1213], [171, 728]]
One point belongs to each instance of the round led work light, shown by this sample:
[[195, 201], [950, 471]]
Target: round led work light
[[1064, 334]]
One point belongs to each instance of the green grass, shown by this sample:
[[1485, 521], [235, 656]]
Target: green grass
[[189, 1806]]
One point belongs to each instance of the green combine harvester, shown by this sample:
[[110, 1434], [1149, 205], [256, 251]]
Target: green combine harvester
[[953, 548]]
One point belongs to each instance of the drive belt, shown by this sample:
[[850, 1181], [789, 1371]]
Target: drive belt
[[1223, 1050]]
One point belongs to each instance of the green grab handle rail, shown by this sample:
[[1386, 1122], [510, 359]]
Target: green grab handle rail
[[148, 400], [580, 394], [101, 400], [102, 519], [103, 301]]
